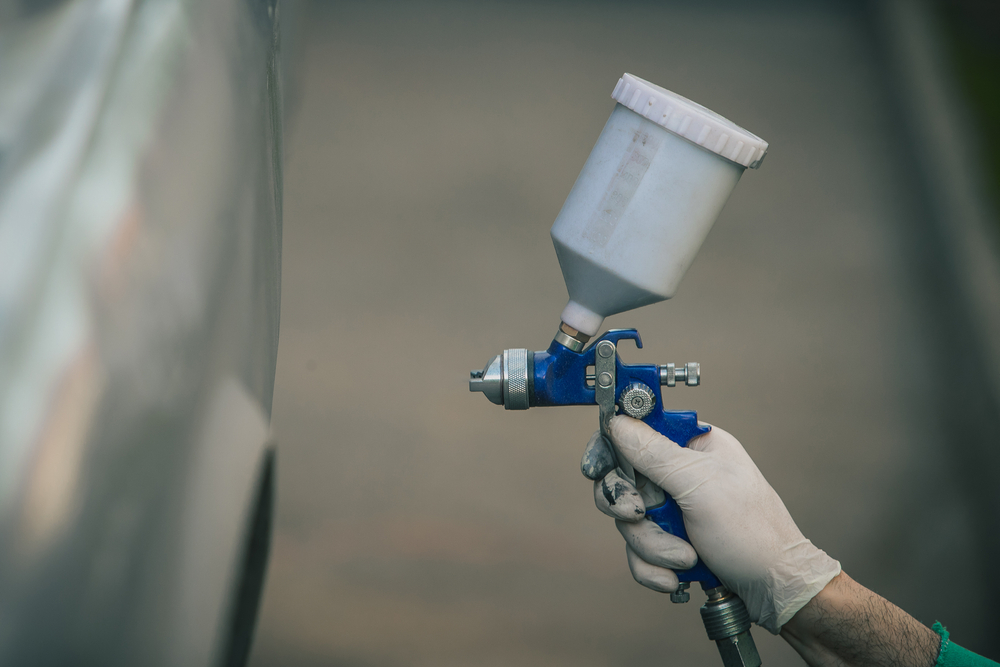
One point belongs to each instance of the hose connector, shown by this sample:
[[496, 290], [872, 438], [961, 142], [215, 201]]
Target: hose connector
[[728, 624]]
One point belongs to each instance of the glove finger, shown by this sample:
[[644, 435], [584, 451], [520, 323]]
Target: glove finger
[[651, 494], [617, 498], [655, 456], [656, 546], [658, 578], [598, 459], [716, 440]]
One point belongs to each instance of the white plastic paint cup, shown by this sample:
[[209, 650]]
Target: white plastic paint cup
[[651, 189]]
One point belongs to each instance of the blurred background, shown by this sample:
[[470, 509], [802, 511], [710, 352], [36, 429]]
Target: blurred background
[[841, 309]]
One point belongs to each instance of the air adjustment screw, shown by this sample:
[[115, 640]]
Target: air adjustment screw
[[637, 400], [681, 594]]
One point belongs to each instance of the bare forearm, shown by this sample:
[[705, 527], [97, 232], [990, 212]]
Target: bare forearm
[[847, 624]]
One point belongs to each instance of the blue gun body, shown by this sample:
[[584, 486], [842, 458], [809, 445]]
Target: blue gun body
[[560, 378]]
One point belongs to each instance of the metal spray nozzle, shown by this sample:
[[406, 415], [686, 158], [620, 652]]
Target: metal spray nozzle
[[506, 380]]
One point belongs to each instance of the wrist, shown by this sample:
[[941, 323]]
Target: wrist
[[847, 624], [803, 573], [775, 595]]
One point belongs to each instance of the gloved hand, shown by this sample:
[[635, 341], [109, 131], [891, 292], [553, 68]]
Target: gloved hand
[[737, 523]]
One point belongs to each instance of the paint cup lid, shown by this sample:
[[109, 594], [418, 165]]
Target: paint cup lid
[[690, 120]]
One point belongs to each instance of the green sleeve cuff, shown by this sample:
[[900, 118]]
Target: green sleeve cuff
[[953, 655]]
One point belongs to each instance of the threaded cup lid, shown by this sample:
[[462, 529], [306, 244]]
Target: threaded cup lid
[[690, 120]]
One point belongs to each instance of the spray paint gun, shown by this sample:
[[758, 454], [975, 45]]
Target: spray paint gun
[[651, 189]]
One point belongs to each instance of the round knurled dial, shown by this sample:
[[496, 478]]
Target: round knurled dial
[[637, 400]]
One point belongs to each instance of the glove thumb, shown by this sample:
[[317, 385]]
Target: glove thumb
[[661, 460]]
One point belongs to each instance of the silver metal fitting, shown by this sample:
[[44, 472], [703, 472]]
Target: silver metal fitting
[[604, 382], [604, 394], [717, 593], [689, 374], [637, 400], [505, 380], [739, 651], [681, 595], [568, 341], [515, 386], [569, 337], [489, 380], [727, 622], [725, 617]]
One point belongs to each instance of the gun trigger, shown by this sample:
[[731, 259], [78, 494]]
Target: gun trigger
[[605, 382]]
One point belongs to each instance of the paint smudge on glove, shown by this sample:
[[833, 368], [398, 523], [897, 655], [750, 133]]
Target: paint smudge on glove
[[597, 460]]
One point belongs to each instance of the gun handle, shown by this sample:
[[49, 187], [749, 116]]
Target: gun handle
[[680, 426]]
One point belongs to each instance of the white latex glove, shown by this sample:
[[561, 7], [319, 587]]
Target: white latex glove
[[736, 521]]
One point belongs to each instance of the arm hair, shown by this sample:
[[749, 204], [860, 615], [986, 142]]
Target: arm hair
[[847, 624]]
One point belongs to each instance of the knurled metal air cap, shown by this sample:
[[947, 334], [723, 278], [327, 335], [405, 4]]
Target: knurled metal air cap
[[690, 120], [515, 379]]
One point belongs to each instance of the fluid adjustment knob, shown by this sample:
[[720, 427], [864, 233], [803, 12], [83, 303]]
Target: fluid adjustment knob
[[637, 400], [689, 374]]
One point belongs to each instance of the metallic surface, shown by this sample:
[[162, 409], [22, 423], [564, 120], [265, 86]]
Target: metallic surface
[[725, 616], [506, 380], [515, 379], [739, 651], [568, 341], [140, 255], [604, 395], [490, 380], [716, 593], [637, 400], [689, 374], [728, 623], [681, 595], [668, 375]]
